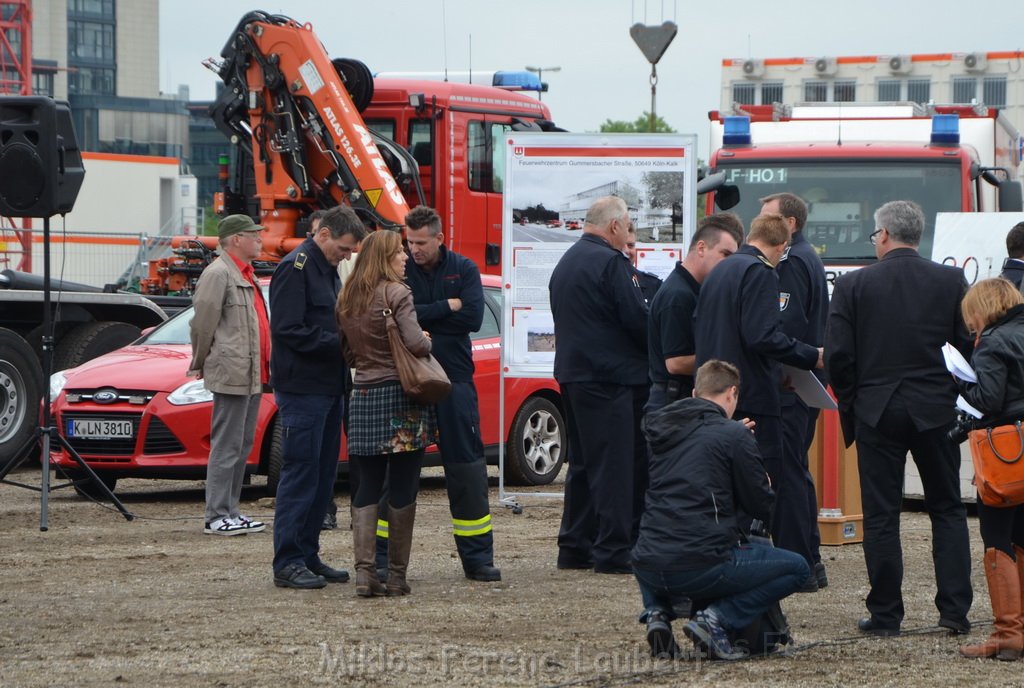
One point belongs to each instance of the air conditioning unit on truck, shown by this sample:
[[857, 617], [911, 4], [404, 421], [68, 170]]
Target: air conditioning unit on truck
[[847, 159], [309, 132]]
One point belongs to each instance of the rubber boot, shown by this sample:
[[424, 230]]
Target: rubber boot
[[1004, 589], [364, 543], [400, 524]]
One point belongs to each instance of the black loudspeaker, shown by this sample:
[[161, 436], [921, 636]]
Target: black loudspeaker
[[41, 168]]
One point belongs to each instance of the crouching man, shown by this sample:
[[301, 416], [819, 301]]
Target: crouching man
[[707, 481]]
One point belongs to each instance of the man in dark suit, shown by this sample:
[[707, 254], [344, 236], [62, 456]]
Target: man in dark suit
[[887, 323], [738, 321], [1013, 266], [601, 366]]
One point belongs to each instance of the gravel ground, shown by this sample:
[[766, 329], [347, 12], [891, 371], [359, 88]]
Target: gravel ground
[[99, 601]]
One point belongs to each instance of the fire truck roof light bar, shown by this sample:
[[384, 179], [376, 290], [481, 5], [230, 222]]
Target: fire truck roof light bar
[[946, 129], [737, 131]]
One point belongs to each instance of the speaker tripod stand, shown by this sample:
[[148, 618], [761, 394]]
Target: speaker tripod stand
[[47, 435]]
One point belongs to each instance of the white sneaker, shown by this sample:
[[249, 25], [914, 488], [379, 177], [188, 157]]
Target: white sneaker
[[249, 524], [225, 526]]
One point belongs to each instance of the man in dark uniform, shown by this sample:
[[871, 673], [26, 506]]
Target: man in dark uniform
[[670, 347], [738, 321], [307, 372], [649, 282], [601, 366], [803, 299], [1013, 266], [449, 302], [887, 324]]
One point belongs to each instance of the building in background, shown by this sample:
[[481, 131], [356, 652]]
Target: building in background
[[995, 79]]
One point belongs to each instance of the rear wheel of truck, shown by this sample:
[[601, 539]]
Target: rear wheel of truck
[[87, 341], [21, 388]]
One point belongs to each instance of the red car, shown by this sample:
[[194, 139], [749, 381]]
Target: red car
[[554, 223], [134, 412]]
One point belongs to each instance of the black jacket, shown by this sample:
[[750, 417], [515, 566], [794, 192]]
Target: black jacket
[[1013, 270], [600, 316], [738, 321], [670, 326], [706, 479], [305, 352], [887, 323], [998, 362], [454, 277]]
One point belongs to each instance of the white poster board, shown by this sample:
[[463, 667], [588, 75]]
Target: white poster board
[[550, 181], [975, 242]]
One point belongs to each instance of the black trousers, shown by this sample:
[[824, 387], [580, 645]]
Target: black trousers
[[607, 474], [795, 520], [1001, 527], [882, 453]]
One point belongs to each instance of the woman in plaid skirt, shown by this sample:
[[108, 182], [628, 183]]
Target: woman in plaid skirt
[[387, 431]]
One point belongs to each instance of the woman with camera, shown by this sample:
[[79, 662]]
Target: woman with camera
[[993, 310], [387, 431]]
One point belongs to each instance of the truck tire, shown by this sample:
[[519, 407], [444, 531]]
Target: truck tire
[[87, 341], [35, 337], [273, 457], [21, 388], [536, 444]]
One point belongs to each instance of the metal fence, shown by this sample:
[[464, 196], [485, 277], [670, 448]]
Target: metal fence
[[93, 258]]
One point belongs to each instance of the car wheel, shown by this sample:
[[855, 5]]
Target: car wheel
[[536, 445], [90, 489], [87, 341], [274, 453], [21, 388]]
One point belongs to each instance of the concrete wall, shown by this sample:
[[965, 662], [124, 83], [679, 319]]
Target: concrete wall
[[50, 39], [138, 45]]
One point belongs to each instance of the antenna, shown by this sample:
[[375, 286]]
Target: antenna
[[444, 35], [470, 58]]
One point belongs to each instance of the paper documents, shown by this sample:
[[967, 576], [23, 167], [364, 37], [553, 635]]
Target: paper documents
[[957, 364], [808, 388]]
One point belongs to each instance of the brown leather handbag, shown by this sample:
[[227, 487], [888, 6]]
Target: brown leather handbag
[[422, 377], [998, 455]]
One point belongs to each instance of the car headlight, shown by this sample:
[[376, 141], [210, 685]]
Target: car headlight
[[57, 382], [192, 392]]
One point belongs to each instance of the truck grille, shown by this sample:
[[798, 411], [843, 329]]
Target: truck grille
[[106, 447], [160, 439]]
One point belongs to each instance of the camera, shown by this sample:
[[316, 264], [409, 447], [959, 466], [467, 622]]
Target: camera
[[962, 427]]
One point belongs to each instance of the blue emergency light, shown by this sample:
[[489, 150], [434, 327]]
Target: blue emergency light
[[737, 131], [946, 129], [517, 81]]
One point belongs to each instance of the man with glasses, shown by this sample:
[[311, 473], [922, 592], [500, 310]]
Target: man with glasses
[[887, 324], [231, 353]]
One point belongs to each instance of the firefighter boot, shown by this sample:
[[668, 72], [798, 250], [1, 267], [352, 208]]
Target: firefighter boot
[[471, 519], [364, 539], [1004, 590], [400, 524]]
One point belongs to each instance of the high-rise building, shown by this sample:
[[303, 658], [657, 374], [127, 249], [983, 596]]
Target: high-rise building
[[103, 57]]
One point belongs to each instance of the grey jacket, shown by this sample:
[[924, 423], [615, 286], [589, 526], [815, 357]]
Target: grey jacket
[[225, 330]]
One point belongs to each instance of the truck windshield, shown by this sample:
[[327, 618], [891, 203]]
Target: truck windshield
[[842, 197]]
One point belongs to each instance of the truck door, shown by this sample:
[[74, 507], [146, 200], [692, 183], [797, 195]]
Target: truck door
[[481, 220]]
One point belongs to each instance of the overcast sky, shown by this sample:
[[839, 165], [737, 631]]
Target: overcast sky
[[603, 73]]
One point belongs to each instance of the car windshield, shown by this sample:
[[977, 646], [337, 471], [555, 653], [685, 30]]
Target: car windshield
[[842, 198], [176, 330]]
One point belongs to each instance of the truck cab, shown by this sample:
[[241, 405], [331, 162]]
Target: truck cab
[[848, 160]]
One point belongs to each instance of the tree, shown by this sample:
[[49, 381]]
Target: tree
[[641, 125]]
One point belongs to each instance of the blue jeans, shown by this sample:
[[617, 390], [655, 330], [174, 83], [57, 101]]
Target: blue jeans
[[311, 428], [739, 589]]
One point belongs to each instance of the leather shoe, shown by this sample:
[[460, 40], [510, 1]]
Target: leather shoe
[[298, 576], [821, 574], [485, 572], [330, 574], [810, 585], [871, 627], [567, 561], [961, 627]]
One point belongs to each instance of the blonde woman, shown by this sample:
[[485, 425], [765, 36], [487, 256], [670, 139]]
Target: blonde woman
[[387, 431], [993, 310]]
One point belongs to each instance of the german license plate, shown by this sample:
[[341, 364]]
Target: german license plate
[[99, 429]]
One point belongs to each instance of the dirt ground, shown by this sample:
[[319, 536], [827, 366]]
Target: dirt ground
[[99, 601]]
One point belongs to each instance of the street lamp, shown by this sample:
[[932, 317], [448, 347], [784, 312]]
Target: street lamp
[[539, 71]]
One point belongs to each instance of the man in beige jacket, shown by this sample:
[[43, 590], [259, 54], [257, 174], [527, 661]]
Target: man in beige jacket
[[231, 353]]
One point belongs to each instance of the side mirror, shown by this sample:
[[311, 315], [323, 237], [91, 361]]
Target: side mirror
[[1011, 196]]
